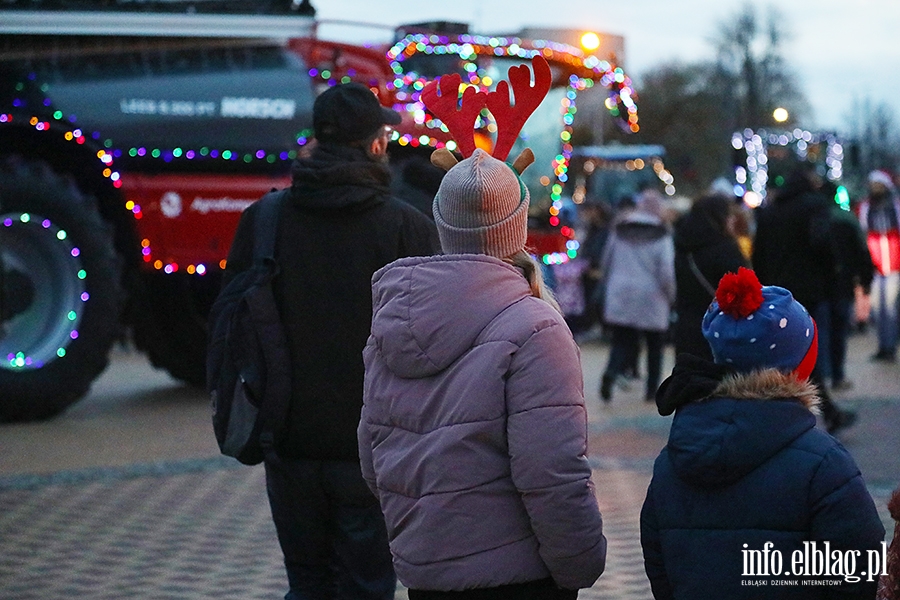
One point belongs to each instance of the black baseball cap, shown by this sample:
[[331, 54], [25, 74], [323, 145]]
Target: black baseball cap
[[349, 112]]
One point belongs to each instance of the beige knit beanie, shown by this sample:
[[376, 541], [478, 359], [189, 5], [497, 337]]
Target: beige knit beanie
[[481, 208]]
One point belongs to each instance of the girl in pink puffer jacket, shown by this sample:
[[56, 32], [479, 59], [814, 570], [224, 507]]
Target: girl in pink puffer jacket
[[473, 432]]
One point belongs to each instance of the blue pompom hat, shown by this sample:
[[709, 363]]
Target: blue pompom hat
[[751, 327]]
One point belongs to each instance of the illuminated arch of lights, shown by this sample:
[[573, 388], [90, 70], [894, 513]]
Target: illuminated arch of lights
[[752, 177], [588, 70]]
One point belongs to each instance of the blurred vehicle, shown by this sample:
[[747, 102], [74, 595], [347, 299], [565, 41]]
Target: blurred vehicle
[[616, 173], [133, 134], [425, 51]]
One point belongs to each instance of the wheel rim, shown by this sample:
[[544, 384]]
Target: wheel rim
[[37, 253]]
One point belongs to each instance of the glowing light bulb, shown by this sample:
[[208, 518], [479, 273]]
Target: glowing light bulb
[[590, 41]]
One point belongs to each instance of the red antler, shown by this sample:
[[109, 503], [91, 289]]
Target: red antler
[[460, 121], [510, 119]]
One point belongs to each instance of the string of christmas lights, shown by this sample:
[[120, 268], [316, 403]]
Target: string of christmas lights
[[752, 178], [165, 154], [408, 85], [20, 359]]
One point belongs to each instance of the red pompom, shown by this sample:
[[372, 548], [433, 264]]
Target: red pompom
[[739, 294]]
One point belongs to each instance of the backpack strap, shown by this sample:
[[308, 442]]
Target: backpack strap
[[266, 227], [699, 275], [264, 311]]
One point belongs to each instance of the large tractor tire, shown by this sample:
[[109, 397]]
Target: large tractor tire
[[60, 292], [170, 324]]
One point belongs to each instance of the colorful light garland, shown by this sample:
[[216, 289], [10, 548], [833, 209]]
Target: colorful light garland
[[20, 359], [109, 154], [164, 154], [408, 85], [751, 179]]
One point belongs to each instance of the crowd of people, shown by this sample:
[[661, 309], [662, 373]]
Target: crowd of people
[[844, 265], [438, 428]]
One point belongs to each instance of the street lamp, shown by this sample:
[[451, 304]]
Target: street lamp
[[590, 41], [780, 115]]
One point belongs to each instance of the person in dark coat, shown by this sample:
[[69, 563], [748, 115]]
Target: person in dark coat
[[853, 269], [339, 226], [746, 470], [793, 249], [596, 216], [416, 180], [705, 249]]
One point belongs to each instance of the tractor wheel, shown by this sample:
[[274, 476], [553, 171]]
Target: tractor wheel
[[60, 292]]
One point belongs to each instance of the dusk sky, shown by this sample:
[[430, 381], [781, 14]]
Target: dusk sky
[[843, 52]]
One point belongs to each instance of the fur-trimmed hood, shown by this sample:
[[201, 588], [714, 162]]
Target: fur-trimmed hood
[[768, 384], [741, 421]]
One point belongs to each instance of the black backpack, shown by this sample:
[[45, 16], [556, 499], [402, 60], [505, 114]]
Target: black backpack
[[248, 365]]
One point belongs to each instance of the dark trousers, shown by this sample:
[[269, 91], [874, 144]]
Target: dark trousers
[[331, 531], [542, 589], [841, 311], [821, 313], [625, 344]]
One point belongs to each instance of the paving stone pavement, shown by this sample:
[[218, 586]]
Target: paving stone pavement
[[201, 528], [176, 531]]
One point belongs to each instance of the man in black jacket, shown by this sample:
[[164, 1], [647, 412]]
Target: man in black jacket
[[793, 249], [338, 227]]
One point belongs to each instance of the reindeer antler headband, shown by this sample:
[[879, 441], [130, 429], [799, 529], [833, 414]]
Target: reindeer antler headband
[[441, 97]]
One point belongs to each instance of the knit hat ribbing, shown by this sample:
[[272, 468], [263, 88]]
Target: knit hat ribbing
[[481, 208]]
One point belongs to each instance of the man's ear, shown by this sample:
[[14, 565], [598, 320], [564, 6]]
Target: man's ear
[[379, 145]]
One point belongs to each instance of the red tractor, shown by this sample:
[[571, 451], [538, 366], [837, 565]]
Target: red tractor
[[133, 134]]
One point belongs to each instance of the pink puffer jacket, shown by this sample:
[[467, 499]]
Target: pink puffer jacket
[[474, 431]]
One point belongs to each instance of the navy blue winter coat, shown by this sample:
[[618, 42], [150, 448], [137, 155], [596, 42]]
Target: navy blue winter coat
[[746, 465]]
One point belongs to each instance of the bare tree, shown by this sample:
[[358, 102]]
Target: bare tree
[[693, 109], [751, 73], [873, 142], [680, 111]]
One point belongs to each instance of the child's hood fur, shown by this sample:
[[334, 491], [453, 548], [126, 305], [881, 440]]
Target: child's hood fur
[[768, 384]]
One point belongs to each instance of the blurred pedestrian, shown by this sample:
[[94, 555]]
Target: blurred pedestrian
[[889, 584], [793, 249], [879, 215], [474, 431], [743, 223], [595, 216], [705, 249], [569, 291], [853, 270], [742, 218], [745, 466], [638, 264], [339, 226], [415, 180]]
